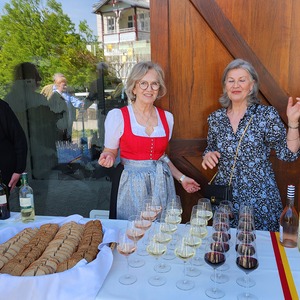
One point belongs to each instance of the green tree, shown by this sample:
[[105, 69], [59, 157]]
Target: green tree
[[40, 32]]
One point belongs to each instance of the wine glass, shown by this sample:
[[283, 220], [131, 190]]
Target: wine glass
[[184, 252], [170, 229], [175, 205], [245, 237], [215, 257], [246, 260], [198, 229], [227, 205], [155, 205], [159, 235], [173, 217], [224, 237], [222, 227], [156, 249], [205, 209], [246, 217], [148, 210], [126, 246], [136, 228], [195, 242]]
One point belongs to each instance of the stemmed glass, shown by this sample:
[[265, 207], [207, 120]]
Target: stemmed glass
[[227, 205], [195, 242], [150, 209], [156, 249], [198, 229], [246, 238], [215, 257], [173, 217], [184, 252], [126, 246], [136, 228], [169, 229], [245, 233], [205, 209], [246, 260], [221, 226]]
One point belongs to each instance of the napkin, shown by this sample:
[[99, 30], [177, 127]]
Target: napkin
[[81, 282]]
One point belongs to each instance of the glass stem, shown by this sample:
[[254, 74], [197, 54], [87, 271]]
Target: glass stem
[[215, 280], [248, 285], [184, 271], [127, 264]]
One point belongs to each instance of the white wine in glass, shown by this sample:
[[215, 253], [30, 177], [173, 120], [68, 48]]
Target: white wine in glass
[[184, 252], [156, 249]]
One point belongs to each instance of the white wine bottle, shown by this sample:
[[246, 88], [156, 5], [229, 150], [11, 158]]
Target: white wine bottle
[[288, 223], [26, 200], [4, 205]]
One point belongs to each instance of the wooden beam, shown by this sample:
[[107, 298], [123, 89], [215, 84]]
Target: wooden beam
[[238, 48]]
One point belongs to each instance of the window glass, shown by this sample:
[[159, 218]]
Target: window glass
[[61, 81]]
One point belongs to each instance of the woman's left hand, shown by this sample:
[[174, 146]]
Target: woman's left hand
[[190, 185], [293, 111]]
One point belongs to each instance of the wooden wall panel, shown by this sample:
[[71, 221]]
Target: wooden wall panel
[[194, 51]]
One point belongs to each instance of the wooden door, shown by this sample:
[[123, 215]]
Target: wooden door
[[193, 40]]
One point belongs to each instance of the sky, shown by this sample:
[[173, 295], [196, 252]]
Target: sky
[[77, 10]]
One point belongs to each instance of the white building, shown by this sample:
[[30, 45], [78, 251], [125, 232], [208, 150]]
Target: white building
[[124, 32]]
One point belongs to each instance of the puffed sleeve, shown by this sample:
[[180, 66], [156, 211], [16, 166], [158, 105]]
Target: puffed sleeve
[[170, 121], [114, 128]]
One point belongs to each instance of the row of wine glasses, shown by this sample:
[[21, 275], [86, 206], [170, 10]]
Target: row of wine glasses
[[246, 250], [164, 240]]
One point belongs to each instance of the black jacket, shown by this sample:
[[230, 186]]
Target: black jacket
[[13, 144]]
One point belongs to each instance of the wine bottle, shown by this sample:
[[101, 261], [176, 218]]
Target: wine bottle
[[4, 204], [288, 223], [26, 200]]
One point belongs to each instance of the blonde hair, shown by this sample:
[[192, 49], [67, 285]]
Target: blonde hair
[[138, 72], [59, 78]]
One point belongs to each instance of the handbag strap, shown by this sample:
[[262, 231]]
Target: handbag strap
[[236, 152]]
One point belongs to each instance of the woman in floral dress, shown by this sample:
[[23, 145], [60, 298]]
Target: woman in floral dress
[[253, 179]]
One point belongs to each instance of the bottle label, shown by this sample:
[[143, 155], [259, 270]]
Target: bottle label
[[3, 199], [280, 233], [26, 202]]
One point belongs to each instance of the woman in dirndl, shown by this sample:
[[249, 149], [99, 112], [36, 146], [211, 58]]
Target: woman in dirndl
[[140, 133]]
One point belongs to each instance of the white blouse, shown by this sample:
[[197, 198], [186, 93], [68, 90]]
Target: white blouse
[[114, 127]]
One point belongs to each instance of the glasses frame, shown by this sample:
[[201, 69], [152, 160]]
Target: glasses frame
[[152, 84]]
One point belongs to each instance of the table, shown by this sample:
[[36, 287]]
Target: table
[[268, 280], [268, 283]]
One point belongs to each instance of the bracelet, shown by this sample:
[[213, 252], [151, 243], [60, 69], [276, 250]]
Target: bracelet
[[181, 179], [291, 127], [292, 139]]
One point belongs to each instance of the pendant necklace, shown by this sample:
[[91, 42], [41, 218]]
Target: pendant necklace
[[148, 127]]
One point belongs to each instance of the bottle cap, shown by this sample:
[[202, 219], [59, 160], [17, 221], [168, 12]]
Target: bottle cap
[[291, 191]]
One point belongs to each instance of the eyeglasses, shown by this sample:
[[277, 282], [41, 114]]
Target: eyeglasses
[[145, 84]]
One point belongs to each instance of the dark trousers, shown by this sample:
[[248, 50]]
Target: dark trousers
[[114, 190]]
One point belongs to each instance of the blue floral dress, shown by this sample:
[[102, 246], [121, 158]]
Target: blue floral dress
[[253, 178]]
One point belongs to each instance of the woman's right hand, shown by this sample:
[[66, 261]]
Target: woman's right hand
[[106, 159], [210, 159]]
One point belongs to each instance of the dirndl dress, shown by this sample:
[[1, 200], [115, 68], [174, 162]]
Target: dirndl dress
[[144, 171]]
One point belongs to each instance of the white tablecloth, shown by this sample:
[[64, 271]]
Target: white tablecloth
[[268, 285]]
